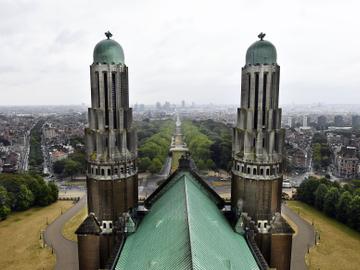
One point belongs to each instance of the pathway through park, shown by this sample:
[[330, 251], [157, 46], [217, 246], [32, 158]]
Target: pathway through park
[[302, 241], [65, 250]]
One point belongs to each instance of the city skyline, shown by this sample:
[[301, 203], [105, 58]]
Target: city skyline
[[184, 50]]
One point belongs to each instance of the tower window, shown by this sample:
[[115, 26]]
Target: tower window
[[248, 170], [109, 172], [102, 172], [104, 225], [272, 90], [113, 96], [106, 99], [254, 171], [267, 171], [256, 109], [249, 89], [264, 100], [276, 142], [98, 88], [261, 171]]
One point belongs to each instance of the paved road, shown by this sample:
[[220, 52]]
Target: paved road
[[303, 240], [165, 171], [65, 250]]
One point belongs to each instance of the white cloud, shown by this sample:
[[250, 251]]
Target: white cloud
[[191, 50]]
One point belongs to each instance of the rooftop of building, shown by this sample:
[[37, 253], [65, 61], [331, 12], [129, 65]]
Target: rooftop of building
[[185, 229], [261, 52], [89, 226], [108, 51]]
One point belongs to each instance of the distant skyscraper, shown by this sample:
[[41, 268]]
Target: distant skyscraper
[[305, 121], [355, 121], [290, 122], [322, 121], [258, 142], [111, 149], [339, 121], [183, 104]]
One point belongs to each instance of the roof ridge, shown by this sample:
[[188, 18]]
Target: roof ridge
[[187, 216]]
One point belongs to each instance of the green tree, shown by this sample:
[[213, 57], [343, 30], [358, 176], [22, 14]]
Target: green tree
[[54, 191], [144, 164], [354, 215], [320, 194], [343, 207], [330, 201], [71, 167], [155, 166], [45, 197], [307, 189], [80, 158], [24, 198], [4, 203], [356, 192], [59, 166]]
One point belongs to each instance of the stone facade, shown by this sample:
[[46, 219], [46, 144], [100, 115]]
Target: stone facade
[[111, 150], [258, 142], [258, 150]]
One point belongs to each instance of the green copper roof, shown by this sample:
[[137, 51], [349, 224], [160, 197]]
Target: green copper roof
[[184, 230], [261, 52], [108, 51]]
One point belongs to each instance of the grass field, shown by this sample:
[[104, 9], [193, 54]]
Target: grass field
[[70, 227], [20, 246], [339, 246]]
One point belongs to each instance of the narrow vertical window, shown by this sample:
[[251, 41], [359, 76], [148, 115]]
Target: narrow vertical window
[[273, 80], [249, 89], [98, 89], [113, 96], [106, 99], [264, 100], [256, 109]]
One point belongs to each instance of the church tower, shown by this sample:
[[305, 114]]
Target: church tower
[[112, 183], [258, 142]]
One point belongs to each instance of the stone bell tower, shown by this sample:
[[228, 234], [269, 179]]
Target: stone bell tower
[[111, 151], [258, 142]]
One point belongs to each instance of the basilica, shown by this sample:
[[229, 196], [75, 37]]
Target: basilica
[[184, 224]]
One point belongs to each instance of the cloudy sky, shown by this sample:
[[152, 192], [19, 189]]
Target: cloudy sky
[[190, 50]]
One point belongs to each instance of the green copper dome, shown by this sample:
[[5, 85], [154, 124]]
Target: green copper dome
[[261, 52], [108, 51]]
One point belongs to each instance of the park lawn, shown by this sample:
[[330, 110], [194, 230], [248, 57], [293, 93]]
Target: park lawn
[[71, 226], [20, 238], [339, 246]]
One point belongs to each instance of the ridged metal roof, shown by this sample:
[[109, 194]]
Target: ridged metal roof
[[185, 230]]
